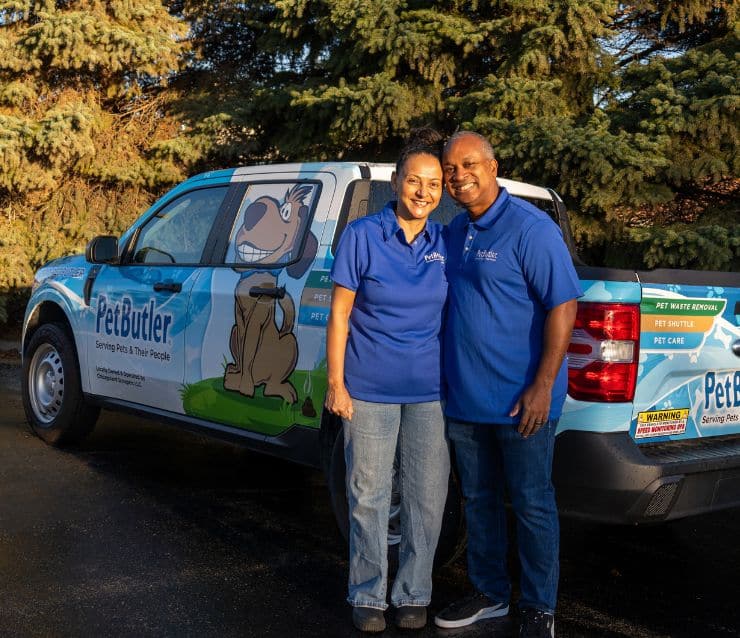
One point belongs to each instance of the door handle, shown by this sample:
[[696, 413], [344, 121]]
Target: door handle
[[278, 293], [736, 348], [168, 286]]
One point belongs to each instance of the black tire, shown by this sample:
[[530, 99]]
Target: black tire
[[451, 538], [52, 394]]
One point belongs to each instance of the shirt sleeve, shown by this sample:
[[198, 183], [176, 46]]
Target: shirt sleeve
[[548, 266], [347, 268]]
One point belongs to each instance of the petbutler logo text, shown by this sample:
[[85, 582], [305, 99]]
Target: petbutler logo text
[[721, 392], [122, 319], [485, 255], [435, 256]]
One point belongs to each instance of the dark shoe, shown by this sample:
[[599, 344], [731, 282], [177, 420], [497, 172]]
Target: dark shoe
[[411, 617], [536, 624], [469, 610], [368, 619]]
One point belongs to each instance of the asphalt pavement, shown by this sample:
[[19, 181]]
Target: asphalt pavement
[[146, 530]]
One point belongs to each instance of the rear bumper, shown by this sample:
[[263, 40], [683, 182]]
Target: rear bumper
[[608, 478]]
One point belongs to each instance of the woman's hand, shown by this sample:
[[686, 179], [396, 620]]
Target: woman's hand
[[339, 402]]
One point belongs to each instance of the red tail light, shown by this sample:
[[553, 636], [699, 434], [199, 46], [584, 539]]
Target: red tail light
[[602, 356]]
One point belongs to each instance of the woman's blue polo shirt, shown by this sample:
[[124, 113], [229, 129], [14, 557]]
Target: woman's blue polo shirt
[[506, 271], [393, 349]]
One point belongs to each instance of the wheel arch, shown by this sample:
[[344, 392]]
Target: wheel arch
[[47, 311]]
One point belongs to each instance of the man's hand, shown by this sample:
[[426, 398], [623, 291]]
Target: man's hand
[[534, 403], [339, 402], [534, 407]]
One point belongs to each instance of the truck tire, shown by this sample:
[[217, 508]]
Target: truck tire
[[52, 394], [451, 538]]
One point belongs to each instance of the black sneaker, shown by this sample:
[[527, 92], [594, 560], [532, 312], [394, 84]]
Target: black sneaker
[[368, 619], [536, 624], [469, 610], [411, 617]]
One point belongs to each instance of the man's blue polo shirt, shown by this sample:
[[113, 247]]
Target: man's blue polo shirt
[[393, 349], [505, 271]]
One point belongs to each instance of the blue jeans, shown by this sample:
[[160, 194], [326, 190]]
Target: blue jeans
[[370, 442], [490, 459]]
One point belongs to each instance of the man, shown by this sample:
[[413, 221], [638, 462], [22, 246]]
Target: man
[[512, 305]]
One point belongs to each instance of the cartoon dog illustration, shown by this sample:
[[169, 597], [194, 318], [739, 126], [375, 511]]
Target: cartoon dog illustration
[[265, 354]]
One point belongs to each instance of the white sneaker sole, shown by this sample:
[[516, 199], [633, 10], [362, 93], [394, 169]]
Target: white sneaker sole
[[483, 614]]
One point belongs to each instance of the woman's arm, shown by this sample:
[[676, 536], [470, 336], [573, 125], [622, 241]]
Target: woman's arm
[[338, 400]]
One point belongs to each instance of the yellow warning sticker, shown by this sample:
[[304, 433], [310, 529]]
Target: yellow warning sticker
[[661, 423]]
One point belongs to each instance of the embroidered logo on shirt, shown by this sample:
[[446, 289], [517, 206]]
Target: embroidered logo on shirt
[[434, 256], [485, 255]]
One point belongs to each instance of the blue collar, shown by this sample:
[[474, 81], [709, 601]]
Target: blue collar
[[390, 226], [488, 218]]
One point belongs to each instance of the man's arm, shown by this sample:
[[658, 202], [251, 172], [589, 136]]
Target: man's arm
[[534, 403]]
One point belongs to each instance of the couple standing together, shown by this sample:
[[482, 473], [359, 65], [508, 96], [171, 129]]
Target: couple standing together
[[451, 334]]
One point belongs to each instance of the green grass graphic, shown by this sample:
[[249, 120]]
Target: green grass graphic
[[207, 399]]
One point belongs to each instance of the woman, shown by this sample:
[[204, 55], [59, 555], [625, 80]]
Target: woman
[[383, 356]]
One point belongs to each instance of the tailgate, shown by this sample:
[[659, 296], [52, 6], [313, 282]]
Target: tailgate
[[688, 383]]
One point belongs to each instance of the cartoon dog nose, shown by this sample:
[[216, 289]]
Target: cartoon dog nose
[[255, 211]]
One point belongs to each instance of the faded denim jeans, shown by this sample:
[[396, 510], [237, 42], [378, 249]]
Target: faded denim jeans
[[370, 441], [492, 459]]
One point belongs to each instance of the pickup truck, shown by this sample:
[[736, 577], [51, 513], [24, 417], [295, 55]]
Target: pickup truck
[[210, 312]]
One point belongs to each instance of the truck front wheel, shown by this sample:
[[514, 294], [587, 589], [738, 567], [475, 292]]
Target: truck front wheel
[[451, 538], [52, 394]]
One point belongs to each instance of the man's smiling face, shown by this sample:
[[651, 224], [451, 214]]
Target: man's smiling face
[[470, 174]]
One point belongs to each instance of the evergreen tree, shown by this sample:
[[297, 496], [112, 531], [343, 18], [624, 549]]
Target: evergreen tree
[[627, 109], [654, 146], [84, 139]]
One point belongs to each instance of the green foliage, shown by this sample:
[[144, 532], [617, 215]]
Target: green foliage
[[692, 99], [594, 168], [710, 247], [83, 108], [624, 108]]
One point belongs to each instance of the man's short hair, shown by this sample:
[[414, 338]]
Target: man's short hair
[[487, 148]]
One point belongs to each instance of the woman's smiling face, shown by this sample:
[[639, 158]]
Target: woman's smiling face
[[418, 186]]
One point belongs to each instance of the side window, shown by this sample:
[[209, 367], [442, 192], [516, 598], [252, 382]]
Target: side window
[[546, 205], [272, 223], [381, 193], [177, 234], [447, 210], [353, 207]]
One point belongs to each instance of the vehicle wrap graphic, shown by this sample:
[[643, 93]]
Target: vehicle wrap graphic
[[257, 363], [316, 299], [688, 382], [136, 338], [610, 291], [264, 353], [123, 319], [670, 325]]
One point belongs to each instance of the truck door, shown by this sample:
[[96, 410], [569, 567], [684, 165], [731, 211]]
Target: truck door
[[257, 358], [136, 330]]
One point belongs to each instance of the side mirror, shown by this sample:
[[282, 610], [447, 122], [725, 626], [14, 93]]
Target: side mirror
[[102, 250]]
